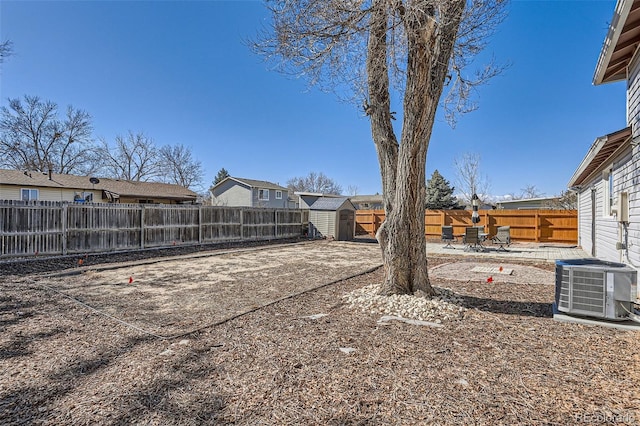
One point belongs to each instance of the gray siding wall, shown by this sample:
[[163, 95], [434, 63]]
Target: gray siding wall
[[272, 203], [626, 177], [232, 194], [630, 169], [584, 220], [633, 95]]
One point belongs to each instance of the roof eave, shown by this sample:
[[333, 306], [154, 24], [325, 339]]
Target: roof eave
[[623, 7], [621, 137]]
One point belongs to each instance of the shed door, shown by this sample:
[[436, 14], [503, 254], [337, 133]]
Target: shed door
[[345, 225]]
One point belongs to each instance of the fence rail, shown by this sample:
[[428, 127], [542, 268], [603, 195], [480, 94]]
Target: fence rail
[[544, 226], [54, 228]]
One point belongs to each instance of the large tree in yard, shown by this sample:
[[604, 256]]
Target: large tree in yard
[[376, 51]]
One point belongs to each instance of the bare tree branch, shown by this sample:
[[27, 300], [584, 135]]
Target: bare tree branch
[[179, 167], [34, 138], [372, 52], [470, 179], [314, 182], [134, 158]]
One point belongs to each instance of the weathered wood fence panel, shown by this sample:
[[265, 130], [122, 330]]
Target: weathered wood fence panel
[[557, 226], [49, 228]]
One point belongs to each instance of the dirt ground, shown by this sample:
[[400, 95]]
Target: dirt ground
[[180, 294], [505, 362]]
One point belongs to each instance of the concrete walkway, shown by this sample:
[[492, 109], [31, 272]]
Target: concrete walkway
[[535, 251]]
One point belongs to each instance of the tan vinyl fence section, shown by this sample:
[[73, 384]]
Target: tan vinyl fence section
[[542, 226], [49, 228]]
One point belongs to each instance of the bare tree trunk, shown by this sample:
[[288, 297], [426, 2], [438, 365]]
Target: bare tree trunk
[[401, 236]]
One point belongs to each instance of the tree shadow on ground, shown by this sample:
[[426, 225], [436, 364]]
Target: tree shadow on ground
[[149, 397], [509, 307]]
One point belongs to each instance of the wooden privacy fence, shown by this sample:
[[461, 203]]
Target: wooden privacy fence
[[543, 226], [50, 228]]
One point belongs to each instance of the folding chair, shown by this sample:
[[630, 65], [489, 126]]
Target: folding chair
[[472, 239], [502, 237], [447, 236]]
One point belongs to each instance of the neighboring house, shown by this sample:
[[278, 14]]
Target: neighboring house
[[608, 178], [367, 202], [241, 192], [332, 217], [29, 186], [541, 203]]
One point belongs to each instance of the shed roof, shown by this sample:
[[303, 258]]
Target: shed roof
[[603, 151], [620, 44], [330, 203], [121, 187]]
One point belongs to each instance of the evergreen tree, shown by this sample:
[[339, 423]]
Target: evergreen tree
[[440, 193], [222, 174]]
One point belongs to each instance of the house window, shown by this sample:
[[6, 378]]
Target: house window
[[263, 194], [278, 195], [83, 197], [608, 192], [29, 194]]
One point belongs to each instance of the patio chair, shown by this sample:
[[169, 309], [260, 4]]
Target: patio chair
[[472, 239], [502, 237], [447, 236]]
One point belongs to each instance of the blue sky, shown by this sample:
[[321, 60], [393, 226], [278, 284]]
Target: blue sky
[[181, 73]]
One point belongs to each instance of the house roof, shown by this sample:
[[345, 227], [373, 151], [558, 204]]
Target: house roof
[[620, 43], [602, 152], [116, 186], [253, 183], [329, 203], [366, 198], [537, 200]]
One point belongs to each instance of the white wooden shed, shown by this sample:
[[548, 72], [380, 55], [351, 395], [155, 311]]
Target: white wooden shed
[[332, 217]]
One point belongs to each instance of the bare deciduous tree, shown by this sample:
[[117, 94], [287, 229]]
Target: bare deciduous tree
[[530, 191], [6, 49], [314, 182], [34, 138], [567, 200], [469, 178], [371, 48], [134, 158], [179, 166]]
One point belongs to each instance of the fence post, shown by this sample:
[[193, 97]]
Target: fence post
[[64, 228], [242, 223], [142, 226], [276, 233], [537, 227], [200, 224]]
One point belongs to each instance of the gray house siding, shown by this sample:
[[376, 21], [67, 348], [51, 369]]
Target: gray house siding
[[272, 202], [608, 231], [584, 221], [232, 194], [633, 96], [627, 179]]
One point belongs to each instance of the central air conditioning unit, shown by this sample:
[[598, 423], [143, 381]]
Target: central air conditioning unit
[[595, 288]]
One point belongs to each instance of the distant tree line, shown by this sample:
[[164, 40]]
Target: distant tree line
[[35, 135]]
